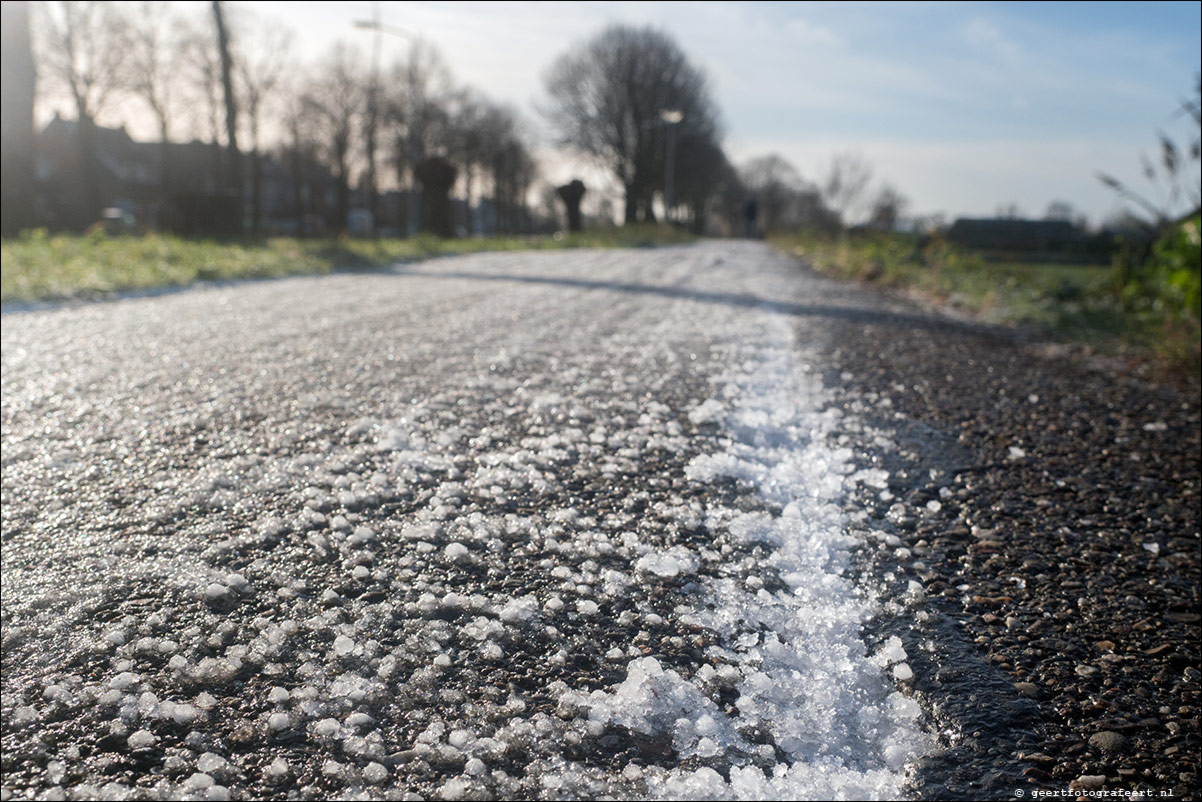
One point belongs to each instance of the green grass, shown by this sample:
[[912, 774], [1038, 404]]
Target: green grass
[[1077, 303], [1151, 304], [37, 267]]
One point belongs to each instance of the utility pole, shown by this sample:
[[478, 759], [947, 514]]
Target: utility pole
[[231, 113]]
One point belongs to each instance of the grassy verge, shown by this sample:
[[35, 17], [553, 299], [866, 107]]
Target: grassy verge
[[39, 267], [1147, 302]]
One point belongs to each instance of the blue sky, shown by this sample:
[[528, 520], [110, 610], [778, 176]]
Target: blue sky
[[961, 106]]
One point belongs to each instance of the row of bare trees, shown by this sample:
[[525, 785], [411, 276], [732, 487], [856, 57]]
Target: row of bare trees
[[344, 118], [844, 193], [228, 77], [629, 99]]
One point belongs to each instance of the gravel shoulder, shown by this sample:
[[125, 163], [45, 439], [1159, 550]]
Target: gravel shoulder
[[1050, 508]]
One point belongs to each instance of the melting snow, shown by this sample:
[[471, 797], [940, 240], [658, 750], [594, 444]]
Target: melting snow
[[801, 670]]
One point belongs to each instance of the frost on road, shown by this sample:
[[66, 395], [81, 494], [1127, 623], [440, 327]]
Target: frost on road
[[556, 525]]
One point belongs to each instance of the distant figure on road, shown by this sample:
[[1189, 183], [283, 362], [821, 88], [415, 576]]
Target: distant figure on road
[[571, 194], [751, 210]]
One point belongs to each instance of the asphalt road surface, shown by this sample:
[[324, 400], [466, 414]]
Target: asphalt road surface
[[555, 525]]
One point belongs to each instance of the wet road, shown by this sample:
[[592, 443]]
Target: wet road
[[552, 525]]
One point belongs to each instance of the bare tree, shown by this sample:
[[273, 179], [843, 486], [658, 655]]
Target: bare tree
[[513, 172], [775, 183], [159, 40], [888, 206], [704, 175], [1060, 210], [82, 50], [1065, 211], [300, 152], [202, 87], [508, 163], [416, 107], [785, 200], [334, 98], [259, 72], [606, 100], [845, 185], [469, 142]]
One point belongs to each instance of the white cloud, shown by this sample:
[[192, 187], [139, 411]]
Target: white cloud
[[987, 35], [805, 32]]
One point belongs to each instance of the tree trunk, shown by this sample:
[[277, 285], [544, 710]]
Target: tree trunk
[[373, 205], [256, 187], [234, 160], [298, 211], [164, 215], [343, 197], [403, 209], [467, 195]]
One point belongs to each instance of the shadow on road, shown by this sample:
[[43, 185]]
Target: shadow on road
[[851, 314]]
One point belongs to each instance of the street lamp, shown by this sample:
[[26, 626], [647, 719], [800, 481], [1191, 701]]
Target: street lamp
[[374, 24], [671, 118]]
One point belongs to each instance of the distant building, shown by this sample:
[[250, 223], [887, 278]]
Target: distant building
[[1007, 239], [187, 197], [1007, 234], [129, 177], [297, 193]]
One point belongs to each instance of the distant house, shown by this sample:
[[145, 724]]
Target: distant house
[[129, 176], [1006, 234], [297, 193], [188, 198]]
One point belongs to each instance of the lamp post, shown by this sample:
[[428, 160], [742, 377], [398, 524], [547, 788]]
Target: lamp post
[[671, 118], [374, 24]]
